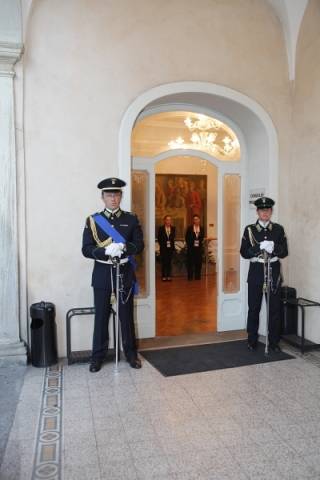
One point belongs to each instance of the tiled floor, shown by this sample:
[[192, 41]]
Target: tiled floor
[[256, 422], [11, 381]]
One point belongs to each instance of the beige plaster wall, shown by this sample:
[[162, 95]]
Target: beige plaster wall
[[85, 62], [304, 192]]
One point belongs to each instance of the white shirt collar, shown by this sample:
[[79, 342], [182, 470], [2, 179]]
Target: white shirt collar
[[264, 224], [113, 211]]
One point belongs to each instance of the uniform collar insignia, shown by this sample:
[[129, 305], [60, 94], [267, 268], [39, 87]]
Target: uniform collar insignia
[[259, 227], [109, 213]]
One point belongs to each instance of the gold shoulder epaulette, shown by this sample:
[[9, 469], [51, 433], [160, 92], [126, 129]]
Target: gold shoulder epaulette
[[252, 238], [99, 242]]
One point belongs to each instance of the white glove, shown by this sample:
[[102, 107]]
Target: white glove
[[263, 244], [267, 245], [114, 249], [270, 247]]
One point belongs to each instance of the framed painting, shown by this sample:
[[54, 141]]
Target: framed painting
[[181, 197]]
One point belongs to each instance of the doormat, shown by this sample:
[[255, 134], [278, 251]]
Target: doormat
[[213, 356]]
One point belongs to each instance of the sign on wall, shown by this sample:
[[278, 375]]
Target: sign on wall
[[254, 194]]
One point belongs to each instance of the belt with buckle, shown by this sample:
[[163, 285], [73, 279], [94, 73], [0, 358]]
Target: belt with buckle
[[262, 260], [110, 262]]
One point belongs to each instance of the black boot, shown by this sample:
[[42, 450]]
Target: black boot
[[134, 362], [95, 365]]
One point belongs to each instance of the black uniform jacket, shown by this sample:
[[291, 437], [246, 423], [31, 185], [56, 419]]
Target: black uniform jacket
[[250, 247], [94, 241], [163, 239], [191, 237]]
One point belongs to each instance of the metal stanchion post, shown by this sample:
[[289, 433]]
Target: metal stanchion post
[[266, 287], [117, 262]]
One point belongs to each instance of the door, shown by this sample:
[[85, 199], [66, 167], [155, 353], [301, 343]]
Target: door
[[230, 275], [230, 282]]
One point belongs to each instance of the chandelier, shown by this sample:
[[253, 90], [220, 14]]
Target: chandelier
[[203, 123], [204, 138]]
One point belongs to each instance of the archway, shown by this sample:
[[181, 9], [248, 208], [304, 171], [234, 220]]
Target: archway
[[259, 148]]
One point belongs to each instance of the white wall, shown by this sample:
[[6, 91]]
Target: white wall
[[84, 65], [303, 181], [10, 21]]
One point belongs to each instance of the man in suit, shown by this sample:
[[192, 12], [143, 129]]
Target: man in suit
[[166, 236], [112, 236], [259, 240], [194, 240]]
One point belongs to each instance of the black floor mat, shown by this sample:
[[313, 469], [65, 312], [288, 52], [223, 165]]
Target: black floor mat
[[203, 358]]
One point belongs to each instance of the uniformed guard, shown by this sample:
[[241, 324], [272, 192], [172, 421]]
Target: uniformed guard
[[260, 239], [111, 236], [166, 237], [194, 238]]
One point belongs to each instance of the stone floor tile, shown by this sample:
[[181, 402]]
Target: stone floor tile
[[151, 467], [277, 451], [73, 394], [81, 472], [110, 423], [142, 433], [77, 411], [84, 454], [263, 435], [176, 445], [288, 431], [193, 461], [77, 425], [305, 446], [258, 422], [104, 413], [147, 448], [232, 471], [259, 468], [114, 451], [313, 461], [296, 468], [79, 440], [118, 470]]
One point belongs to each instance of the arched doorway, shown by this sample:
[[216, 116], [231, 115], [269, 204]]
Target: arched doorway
[[186, 185], [258, 142]]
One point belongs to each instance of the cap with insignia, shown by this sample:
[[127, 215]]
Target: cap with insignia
[[111, 184], [264, 202]]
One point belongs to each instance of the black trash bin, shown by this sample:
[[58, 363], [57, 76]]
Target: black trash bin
[[289, 312], [43, 334]]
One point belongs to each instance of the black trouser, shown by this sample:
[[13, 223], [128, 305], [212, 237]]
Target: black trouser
[[194, 264], [166, 258], [101, 323], [255, 294]]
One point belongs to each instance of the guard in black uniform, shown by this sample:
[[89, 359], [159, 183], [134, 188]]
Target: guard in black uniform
[[122, 239], [258, 238], [166, 236], [194, 240]]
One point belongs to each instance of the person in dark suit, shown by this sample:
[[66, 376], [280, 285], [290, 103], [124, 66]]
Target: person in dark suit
[[110, 236], [194, 240], [166, 236], [260, 239]]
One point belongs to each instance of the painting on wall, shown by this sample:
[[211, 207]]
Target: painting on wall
[[181, 197]]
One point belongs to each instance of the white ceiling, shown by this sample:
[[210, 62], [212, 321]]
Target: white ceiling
[[290, 14]]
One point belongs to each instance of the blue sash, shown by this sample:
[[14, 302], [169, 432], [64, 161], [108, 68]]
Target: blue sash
[[106, 227]]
